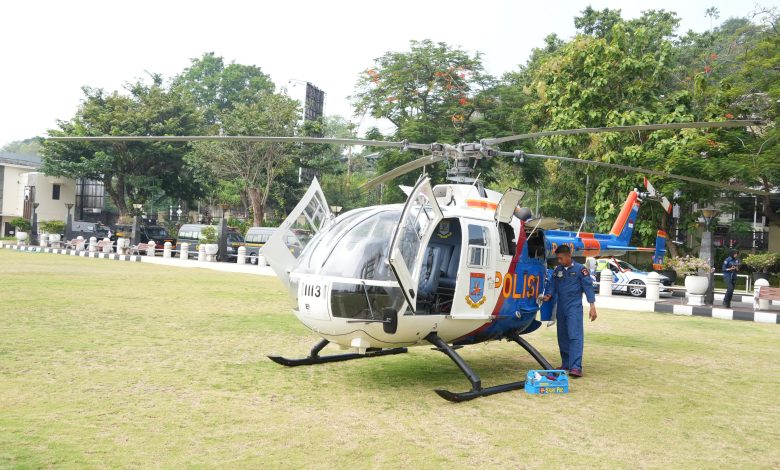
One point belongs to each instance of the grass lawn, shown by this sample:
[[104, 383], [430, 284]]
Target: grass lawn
[[107, 364]]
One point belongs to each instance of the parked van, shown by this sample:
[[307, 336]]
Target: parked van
[[156, 233], [256, 238], [89, 229], [192, 234]]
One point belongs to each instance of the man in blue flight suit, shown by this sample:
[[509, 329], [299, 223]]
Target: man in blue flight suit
[[730, 268], [569, 281]]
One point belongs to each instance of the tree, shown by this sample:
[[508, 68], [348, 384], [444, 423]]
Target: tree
[[252, 165], [217, 88], [712, 13], [754, 92], [31, 146], [597, 23], [128, 170], [432, 92], [619, 72]]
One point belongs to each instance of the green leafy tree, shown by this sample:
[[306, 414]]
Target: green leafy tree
[[432, 92], [129, 170], [251, 165], [31, 146], [217, 88]]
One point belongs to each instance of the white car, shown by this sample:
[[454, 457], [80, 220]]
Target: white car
[[626, 278]]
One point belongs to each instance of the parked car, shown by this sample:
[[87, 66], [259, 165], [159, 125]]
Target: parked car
[[257, 237], [146, 233], [191, 233], [89, 229], [626, 278]]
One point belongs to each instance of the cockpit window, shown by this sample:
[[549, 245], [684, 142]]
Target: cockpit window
[[362, 251], [320, 247]]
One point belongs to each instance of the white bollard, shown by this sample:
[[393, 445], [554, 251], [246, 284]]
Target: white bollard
[[605, 285], [80, 243], [261, 260], [44, 240], [122, 244], [106, 245], [653, 291], [92, 244], [202, 252], [167, 250], [150, 249], [241, 255], [184, 252], [760, 304]]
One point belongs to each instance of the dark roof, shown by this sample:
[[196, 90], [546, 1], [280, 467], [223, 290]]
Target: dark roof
[[9, 158]]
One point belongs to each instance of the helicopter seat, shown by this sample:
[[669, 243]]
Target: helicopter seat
[[431, 272], [450, 270]]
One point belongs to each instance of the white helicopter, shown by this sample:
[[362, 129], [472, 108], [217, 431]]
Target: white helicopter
[[457, 264]]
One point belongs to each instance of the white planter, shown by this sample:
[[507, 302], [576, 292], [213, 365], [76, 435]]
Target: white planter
[[211, 250], [696, 285], [21, 236], [55, 238]]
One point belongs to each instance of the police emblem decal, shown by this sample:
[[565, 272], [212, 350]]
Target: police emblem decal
[[444, 230], [476, 295]]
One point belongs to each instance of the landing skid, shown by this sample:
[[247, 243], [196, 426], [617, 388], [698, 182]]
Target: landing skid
[[476, 383], [315, 358]]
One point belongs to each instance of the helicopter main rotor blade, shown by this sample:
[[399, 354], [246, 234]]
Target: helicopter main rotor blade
[[239, 138], [633, 169], [402, 170], [641, 127]]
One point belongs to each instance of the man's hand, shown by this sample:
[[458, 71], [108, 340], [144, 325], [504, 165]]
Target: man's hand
[[592, 314], [547, 297]]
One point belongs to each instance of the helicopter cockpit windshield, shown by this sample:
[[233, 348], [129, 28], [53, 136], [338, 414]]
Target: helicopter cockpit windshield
[[353, 253]]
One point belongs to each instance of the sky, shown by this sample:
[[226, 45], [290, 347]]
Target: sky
[[50, 49]]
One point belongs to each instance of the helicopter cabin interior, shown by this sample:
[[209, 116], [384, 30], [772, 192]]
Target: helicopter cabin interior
[[439, 271], [442, 259]]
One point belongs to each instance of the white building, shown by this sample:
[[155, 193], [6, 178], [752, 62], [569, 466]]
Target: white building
[[22, 185]]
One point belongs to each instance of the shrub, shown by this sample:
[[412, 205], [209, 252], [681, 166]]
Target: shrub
[[762, 262], [53, 226], [21, 224], [688, 265], [209, 235]]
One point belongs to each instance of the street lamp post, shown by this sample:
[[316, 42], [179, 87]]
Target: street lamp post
[[69, 222], [136, 223], [222, 254], [34, 230], [707, 251]]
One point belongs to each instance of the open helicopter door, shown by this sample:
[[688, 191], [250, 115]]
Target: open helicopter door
[[310, 215], [507, 204], [419, 219]]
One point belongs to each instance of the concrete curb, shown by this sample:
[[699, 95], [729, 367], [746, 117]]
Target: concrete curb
[[175, 262], [621, 302], [83, 253]]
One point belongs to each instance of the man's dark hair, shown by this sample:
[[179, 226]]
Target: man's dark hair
[[562, 249], [733, 252]]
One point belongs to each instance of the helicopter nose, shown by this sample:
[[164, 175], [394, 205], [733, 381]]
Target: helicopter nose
[[312, 298]]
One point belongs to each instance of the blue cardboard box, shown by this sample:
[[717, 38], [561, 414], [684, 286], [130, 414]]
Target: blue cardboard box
[[545, 382]]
